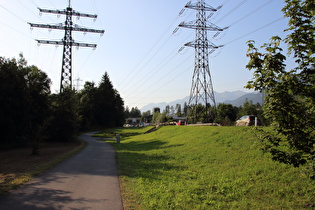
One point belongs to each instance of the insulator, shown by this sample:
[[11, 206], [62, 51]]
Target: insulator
[[31, 28], [210, 15], [58, 16], [216, 34], [176, 29], [94, 19], [40, 13], [211, 51], [219, 7], [188, 4], [181, 12], [181, 49]]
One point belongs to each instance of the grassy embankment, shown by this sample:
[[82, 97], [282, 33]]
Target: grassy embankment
[[181, 167], [18, 166]]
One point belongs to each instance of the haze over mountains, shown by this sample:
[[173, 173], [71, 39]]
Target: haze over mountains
[[236, 98]]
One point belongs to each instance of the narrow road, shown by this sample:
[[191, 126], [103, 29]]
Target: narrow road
[[87, 180]]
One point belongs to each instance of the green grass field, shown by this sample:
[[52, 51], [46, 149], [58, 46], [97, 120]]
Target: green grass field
[[183, 167]]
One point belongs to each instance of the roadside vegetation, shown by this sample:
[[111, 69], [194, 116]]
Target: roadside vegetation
[[205, 167], [290, 93], [123, 132], [38, 128], [31, 114], [17, 166]]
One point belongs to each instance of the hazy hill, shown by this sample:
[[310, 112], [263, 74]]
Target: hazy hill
[[236, 98]]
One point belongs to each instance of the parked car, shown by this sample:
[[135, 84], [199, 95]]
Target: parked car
[[181, 122], [246, 120]]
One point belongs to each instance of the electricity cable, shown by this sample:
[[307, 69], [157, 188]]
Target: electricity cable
[[258, 29], [232, 10], [151, 49], [169, 27], [242, 18]]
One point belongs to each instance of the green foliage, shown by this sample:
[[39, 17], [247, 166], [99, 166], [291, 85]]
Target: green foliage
[[201, 114], [24, 92], [101, 106], [290, 95], [64, 120], [30, 114], [125, 132], [226, 114], [206, 167], [13, 103], [134, 112], [146, 117]]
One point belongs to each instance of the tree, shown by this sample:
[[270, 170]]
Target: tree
[[38, 91], [64, 116], [178, 110], [135, 112], [226, 114], [87, 108], [13, 104], [109, 105], [290, 94], [197, 113], [24, 92], [146, 117], [101, 106]]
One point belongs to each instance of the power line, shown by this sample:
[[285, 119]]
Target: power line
[[232, 10], [151, 49], [258, 29], [161, 78], [171, 81], [242, 18], [155, 70]]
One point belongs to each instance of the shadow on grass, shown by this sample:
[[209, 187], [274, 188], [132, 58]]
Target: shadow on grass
[[138, 159]]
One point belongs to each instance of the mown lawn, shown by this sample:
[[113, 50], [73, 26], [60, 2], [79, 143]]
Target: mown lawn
[[182, 167]]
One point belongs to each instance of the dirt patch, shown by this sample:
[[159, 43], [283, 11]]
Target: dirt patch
[[16, 164]]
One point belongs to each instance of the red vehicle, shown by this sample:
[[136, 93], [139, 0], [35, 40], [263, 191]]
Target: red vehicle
[[181, 122]]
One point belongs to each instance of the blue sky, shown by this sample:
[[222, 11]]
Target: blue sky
[[138, 49]]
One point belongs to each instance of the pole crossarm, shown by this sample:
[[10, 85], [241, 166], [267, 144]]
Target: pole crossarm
[[68, 42], [206, 26], [76, 44], [206, 44], [205, 7], [62, 27], [64, 12]]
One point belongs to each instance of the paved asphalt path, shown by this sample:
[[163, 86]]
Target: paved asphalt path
[[87, 180]]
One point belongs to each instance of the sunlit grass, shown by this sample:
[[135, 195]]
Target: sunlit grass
[[180, 167], [124, 132]]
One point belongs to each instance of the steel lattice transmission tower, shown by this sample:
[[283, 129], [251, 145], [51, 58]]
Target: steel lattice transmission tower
[[202, 90], [67, 41]]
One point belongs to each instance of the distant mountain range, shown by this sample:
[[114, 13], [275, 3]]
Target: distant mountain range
[[236, 98]]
